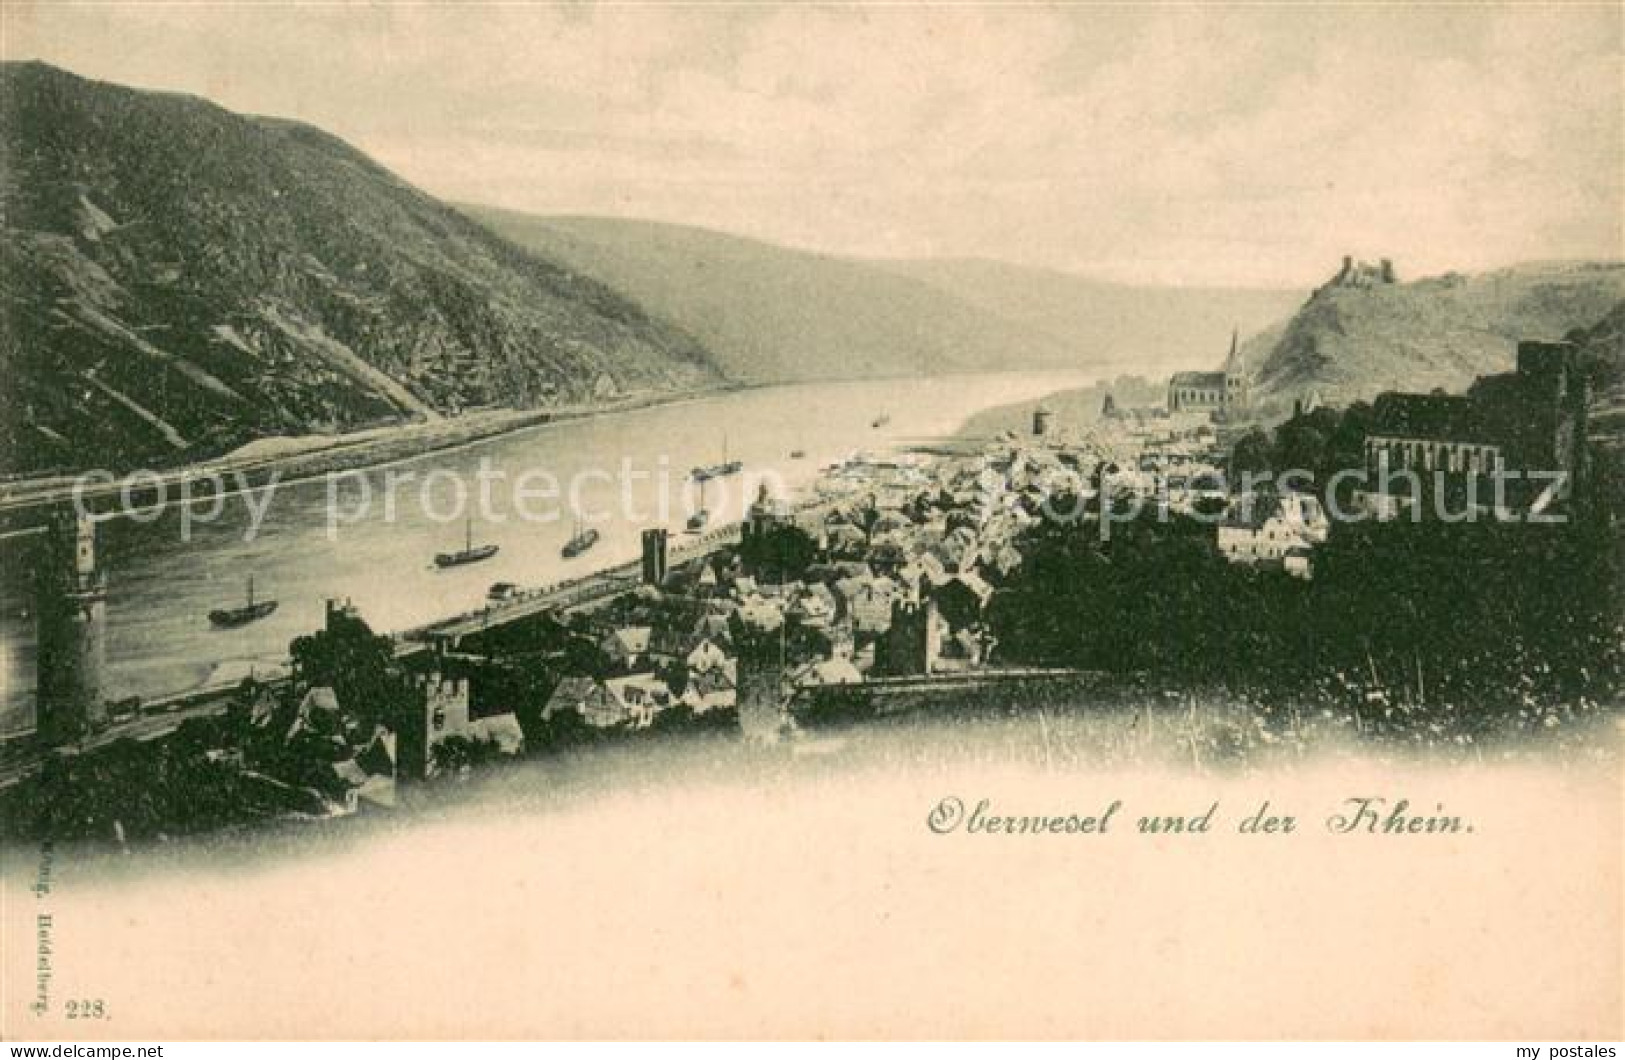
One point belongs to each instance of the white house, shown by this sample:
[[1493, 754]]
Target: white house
[[1266, 528]]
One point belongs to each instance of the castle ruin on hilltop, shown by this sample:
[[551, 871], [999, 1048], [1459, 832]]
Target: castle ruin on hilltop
[[1363, 274]]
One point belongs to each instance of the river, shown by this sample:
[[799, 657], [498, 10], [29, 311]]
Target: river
[[162, 587]]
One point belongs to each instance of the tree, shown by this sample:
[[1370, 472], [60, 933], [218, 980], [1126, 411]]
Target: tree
[[454, 753], [1303, 442], [780, 553], [357, 664], [1254, 454]]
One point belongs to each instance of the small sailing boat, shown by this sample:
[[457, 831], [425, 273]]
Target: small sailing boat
[[584, 538], [252, 611], [468, 553], [697, 521], [709, 471]]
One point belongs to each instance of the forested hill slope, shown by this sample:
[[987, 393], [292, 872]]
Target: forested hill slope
[[179, 279]]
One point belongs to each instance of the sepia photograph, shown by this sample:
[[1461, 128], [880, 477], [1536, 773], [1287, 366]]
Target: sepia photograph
[[802, 522]]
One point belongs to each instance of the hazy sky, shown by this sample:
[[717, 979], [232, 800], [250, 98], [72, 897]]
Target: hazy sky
[[1236, 145]]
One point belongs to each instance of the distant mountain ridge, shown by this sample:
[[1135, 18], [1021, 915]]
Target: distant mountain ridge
[[768, 312], [1127, 327], [1355, 338], [180, 279]]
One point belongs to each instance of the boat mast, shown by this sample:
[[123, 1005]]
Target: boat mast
[[250, 590]]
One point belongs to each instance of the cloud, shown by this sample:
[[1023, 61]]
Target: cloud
[[1183, 145]]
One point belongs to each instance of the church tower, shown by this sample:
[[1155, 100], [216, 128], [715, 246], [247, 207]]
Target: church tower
[[1236, 389]]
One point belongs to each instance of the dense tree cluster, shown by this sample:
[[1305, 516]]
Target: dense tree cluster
[[1404, 624]]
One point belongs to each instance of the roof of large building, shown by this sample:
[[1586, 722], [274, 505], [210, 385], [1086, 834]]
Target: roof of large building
[[1433, 417], [1252, 512], [1198, 380]]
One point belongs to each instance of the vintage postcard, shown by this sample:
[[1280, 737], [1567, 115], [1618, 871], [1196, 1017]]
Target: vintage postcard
[[754, 521]]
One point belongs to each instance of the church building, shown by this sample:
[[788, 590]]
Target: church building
[[1223, 393]]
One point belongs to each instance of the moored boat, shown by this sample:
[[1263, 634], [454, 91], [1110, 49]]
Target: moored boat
[[584, 538], [252, 611], [703, 472], [469, 553], [702, 516]]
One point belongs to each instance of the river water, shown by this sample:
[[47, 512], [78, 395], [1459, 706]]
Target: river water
[[307, 550]]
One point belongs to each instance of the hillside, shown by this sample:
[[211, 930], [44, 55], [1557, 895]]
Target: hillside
[[769, 312], [1355, 340], [1602, 347], [179, 279], [1138, 329]]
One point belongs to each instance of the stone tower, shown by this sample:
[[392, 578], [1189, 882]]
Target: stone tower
[[760, 690], [914, 641], [71, 611], [764, 515], [655, 542], [1554, 410]]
